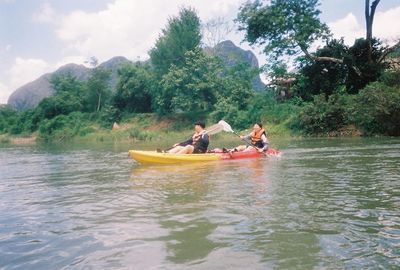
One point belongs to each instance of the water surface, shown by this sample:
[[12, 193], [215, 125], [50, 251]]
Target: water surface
[[325, 203]]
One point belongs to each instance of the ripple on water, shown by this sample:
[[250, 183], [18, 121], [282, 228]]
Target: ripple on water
[[327, 204]]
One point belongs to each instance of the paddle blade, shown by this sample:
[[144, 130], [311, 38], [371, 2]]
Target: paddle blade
[[226, 126], [214, 129]]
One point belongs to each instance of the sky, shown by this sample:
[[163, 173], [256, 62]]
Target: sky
[[39, 36]]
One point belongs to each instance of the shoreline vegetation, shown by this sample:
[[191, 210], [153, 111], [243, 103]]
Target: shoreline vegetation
[[150, 128]]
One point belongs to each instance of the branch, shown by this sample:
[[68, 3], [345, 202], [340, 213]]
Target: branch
[[321, 58], [328, 59], [389, 50]]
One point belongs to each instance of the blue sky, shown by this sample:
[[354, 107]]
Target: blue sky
[[38, 36]]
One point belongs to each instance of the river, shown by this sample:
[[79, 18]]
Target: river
[[324, 204]]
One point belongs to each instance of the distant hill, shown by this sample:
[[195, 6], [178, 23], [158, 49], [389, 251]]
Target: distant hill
[[232, 55], [30, 94]]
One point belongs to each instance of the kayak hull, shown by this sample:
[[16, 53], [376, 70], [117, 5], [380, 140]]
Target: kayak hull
[[152, 157], [167, 158]]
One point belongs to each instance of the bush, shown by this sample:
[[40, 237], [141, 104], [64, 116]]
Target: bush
[[323, 116], [391, 78], [378, 109], [141, 135], [108, 116], [62, 127], [230, 113]]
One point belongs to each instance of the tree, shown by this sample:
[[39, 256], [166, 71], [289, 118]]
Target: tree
[[66, 83], [320, 77], [133, 93], [288, 27], [191, 87], [285, 27], [98, 90], [182, 34]]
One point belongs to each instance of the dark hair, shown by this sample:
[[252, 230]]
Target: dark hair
[[200, 123], [259, 124]]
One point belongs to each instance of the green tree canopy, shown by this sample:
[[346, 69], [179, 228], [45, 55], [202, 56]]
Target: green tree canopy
[[97, 89], [193, 86], [134, 88], [182, 34], [282, 26]]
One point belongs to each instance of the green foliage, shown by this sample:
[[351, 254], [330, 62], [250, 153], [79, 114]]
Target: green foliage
[[8, 118], [326, 77], [261, 107], [322, 77], [322, 116], [230, 113], [182, 34], [391, 77], [108, 116], [133, 93], [141, 135], [66, 83], [61, 103], [62, 127], [282, 26], [370, 69], [97, 90], [377, 109], [191, 87]]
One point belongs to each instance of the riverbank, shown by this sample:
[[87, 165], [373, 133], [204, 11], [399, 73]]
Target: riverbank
[[136, 128], [151, 128]]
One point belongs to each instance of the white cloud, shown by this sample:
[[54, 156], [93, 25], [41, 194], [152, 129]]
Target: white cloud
[[4, 93], [20, 73], [80, 60], [45, 14], [385, 27], [347, 27], [129, 28], [26, 70]]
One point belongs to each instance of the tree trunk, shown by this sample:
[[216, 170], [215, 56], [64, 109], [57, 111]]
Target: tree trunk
[[99, 102], [369, 20]]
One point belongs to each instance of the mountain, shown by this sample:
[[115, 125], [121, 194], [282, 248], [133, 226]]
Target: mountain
[[30, 94], [232, 55]]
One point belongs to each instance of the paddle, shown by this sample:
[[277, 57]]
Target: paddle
[[228, 128], [211, 130]]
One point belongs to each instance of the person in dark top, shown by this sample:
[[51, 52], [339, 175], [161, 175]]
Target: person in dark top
[[197, 144]]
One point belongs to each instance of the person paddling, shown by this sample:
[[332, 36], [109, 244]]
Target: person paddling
[[258, 139], [197, 144]]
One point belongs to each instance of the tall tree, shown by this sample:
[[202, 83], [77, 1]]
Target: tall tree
[[182, 34], [191, 87], [369, 20], [98, 89], [133, 88], [285, 27]]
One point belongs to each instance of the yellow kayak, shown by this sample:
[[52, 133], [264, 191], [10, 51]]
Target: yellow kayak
[[167, 158]]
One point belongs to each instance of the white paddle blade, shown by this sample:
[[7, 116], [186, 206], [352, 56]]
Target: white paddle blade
[[225, 126], [214, 129]]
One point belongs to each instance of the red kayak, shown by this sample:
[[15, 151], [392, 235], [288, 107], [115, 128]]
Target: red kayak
[[249, 153]]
